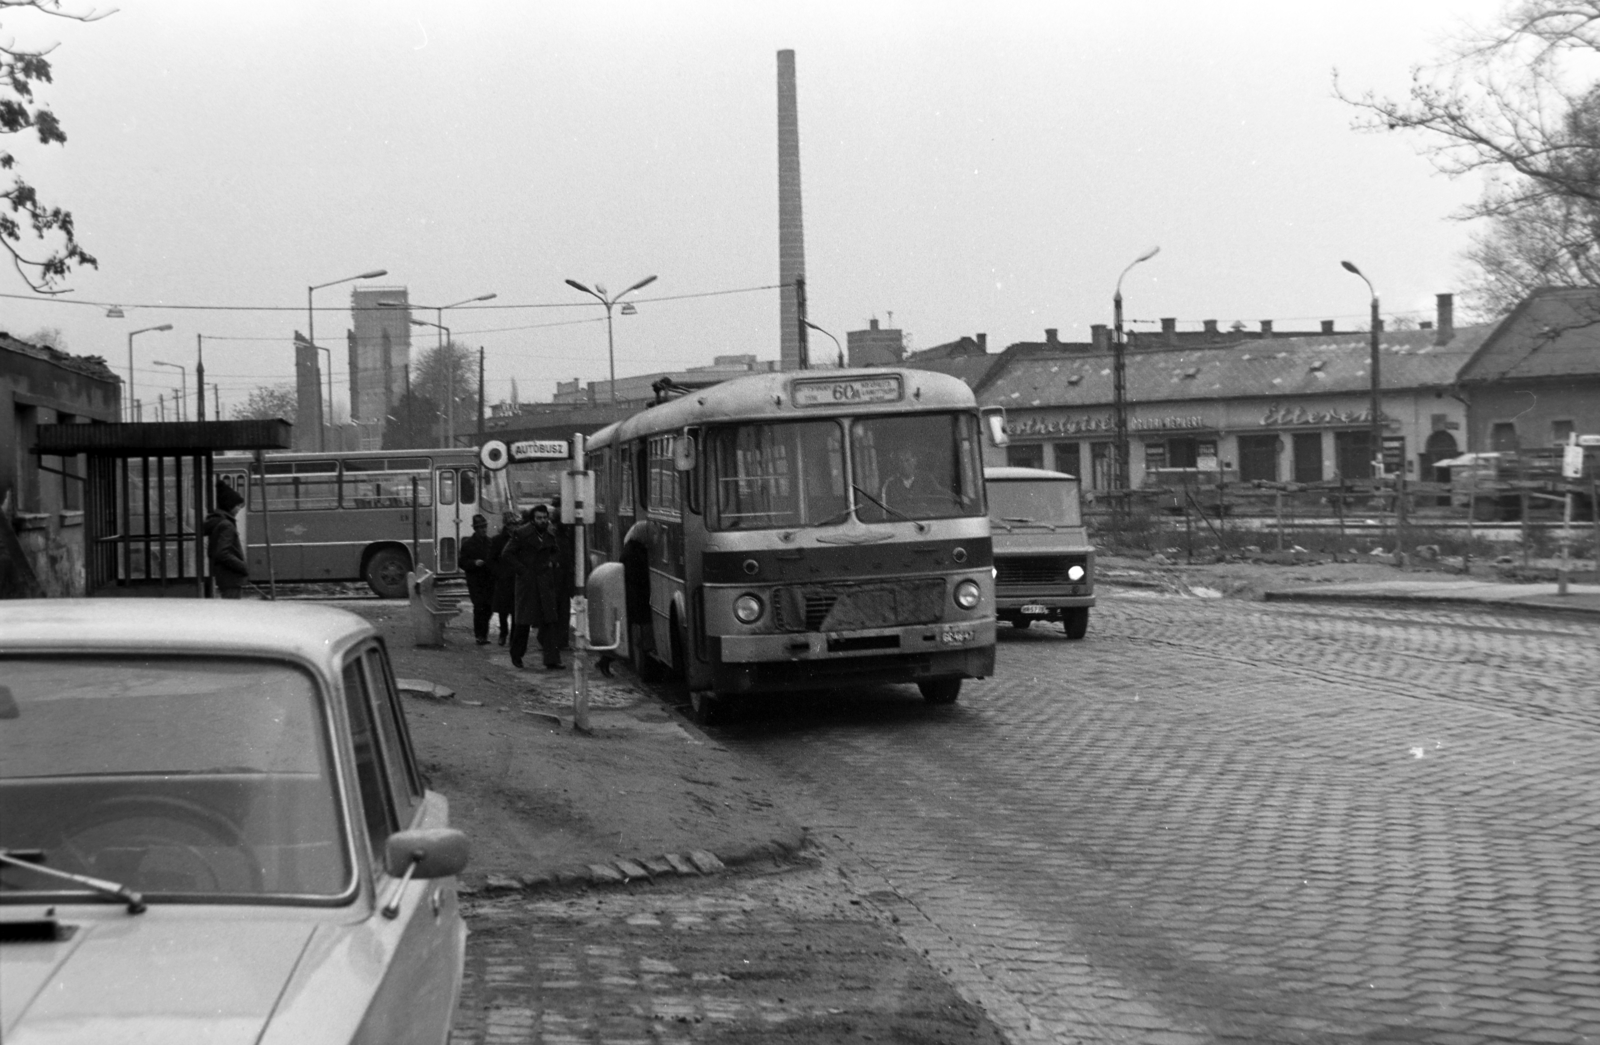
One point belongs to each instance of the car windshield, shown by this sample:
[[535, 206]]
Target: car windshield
[[793, 473], [185, 778], [1051, 502]]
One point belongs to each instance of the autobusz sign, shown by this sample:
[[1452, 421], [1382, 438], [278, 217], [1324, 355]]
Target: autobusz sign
[[495, 454]]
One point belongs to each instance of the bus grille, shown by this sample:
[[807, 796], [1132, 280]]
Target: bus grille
[[849, 607], [1034, 569]]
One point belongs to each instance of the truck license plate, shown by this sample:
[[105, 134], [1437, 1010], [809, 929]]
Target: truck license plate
[[956, 634], [1035, 608]]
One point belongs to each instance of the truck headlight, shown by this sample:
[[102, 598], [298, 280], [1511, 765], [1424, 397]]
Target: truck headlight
[[968, 594], [1074, 573], [747, 608]]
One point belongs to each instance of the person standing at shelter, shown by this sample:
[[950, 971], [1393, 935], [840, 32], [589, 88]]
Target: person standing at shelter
[[229, 570], [535, 553], [505, 576], [477, 562]]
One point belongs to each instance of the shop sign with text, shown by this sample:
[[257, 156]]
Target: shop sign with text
[[1278, 415], [1084, 424]]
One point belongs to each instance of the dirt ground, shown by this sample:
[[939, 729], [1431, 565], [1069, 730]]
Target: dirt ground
[[535, 796]]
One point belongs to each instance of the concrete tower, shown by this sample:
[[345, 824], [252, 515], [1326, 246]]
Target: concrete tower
[[791, 226]]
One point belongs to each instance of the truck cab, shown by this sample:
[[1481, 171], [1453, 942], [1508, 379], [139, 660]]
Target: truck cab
[[1044, 563]]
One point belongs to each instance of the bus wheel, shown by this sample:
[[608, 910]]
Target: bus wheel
[[1076, 622], [706, 706], [386, 573], [940, 691]]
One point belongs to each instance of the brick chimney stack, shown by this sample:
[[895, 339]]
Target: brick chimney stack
[[1101, 337], [1447, 318], [1169, 329], [1327, 326], [983, 343], [1052, 337], [1266, 328], [1211, 328]]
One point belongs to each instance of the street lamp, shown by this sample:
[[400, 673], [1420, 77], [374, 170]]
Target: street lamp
[[1119, 380], [599, 294], [311, 336], [183, 381], [146, 330], [1377, 412], [447, 361], [819, 330]]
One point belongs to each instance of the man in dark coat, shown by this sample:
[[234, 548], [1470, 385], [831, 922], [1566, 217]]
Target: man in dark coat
[[228, 568], [478, 564], [535, 553], [505, 577]]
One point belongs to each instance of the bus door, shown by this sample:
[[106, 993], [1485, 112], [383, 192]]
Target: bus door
[[455, 502]]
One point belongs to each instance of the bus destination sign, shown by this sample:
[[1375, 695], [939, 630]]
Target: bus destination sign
[[848, 391], [540, 450]]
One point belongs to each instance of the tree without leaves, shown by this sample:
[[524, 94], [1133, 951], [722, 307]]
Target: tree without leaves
[[20, 69], [269, 401], [445, 373], [1513, 102]]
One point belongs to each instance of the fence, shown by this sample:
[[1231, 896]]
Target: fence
[[1467, 518]]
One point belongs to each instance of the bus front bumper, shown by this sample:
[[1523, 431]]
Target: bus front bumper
[[811, 660]]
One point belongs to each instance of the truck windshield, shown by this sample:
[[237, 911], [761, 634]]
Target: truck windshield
[[793, 473], [1052, 502]]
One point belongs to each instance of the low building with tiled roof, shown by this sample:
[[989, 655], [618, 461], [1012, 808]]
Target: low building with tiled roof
[[1278, 409], [1536, 377]]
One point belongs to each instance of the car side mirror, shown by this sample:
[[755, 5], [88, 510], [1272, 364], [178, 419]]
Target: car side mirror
[[431, 852]]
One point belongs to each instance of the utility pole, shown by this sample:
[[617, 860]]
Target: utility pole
[[480, 395], [200, 377]]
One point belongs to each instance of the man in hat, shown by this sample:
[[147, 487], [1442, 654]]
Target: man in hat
[[223, 548], [541, 597], [477, 562]]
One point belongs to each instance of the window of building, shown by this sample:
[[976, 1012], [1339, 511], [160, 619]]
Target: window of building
[[1067, 459], [1101, 465], [1308, 457], [1183, 453], [1503, 437], [1560, 432], [1258, 458], [1352, 454], [1025, 455]]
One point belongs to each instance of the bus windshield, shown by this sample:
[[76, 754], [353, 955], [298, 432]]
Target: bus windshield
[[794, 473]]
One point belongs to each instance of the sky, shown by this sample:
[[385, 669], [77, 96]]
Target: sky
[[967, 167]]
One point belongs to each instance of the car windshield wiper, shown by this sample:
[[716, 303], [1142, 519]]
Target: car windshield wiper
[[922, 527], [33, 860]]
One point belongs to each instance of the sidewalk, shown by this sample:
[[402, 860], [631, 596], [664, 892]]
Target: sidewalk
[[644, 795], [1580, 598]]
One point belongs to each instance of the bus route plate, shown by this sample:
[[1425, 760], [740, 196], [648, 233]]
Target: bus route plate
[[847, 391]]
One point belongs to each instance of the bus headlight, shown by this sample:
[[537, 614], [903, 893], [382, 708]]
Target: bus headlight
[[1074, 573], [968, 594], [747, 608]]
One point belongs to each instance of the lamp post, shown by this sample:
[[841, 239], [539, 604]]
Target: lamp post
[[599, 294], [1119, 381], [183, 384], [1377, 411], [830, 337], [311, 336], [146, 330], [449, 364]]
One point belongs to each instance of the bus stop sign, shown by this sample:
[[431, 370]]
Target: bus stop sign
[[541, 450]]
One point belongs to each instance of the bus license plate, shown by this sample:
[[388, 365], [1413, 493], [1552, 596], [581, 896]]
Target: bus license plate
[[956, 634], [1035, 608]]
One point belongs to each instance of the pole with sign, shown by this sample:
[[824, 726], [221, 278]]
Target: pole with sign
[[577, 511], [1571, 469]]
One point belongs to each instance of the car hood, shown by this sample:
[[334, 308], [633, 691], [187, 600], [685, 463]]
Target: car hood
[[161, 976]]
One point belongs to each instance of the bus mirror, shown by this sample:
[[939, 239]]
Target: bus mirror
[[996, 420], [683, 457]]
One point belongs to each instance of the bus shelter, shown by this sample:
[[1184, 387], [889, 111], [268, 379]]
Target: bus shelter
[[147, 489]]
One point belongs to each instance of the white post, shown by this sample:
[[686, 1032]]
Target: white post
[[1570, 475], [580, 603]]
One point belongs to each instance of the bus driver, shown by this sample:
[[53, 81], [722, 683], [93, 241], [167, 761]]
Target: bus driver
[[909, 488]]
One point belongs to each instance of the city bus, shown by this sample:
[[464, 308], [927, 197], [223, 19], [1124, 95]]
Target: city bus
[[806, 531], [358, 515]]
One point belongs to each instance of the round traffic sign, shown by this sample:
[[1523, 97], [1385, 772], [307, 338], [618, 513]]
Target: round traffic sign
[[493, 455]]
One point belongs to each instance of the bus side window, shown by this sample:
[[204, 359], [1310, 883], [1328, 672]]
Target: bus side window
[[469, 486], [625, 481], [447, 486]]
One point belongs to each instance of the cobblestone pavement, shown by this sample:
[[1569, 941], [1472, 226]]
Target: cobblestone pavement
[[1218, 821]]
